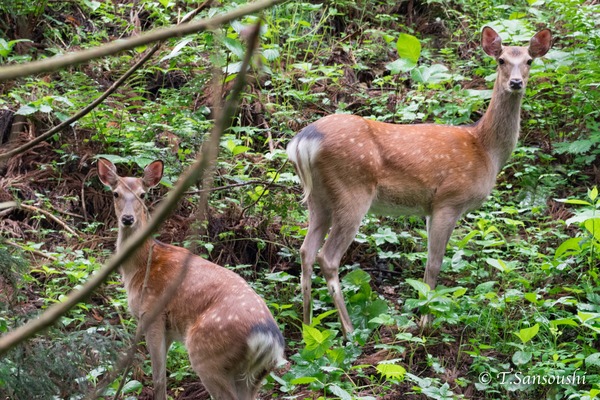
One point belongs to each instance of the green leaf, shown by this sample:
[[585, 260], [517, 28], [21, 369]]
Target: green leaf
[[593, 193], [26, 110], [521, 357], [271, 54], [430, 74], [317, 342], [568, 247], [376, 308], [408, 47], [461, 244], [580, 146], [485, 287], [385, 235], [563, 321], [531, 297], [391, 371], [358, 278], [312, 336], [400, 65], [499, 264], [574, 201], [303, 380], [339, 392], [235, 46], [132, 386], [527, 334], [584, 316], [593, 360], [593, 226], [459, 292], [317, 320], [177, 49], [45, 108], [421, 287]]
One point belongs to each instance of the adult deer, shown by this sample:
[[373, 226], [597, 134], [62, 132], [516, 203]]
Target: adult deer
[[350, 165], [231, 337]]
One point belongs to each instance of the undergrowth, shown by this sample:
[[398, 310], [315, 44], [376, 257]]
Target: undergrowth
[[517, 311]]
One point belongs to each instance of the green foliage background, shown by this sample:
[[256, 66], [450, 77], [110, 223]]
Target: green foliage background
[[519, 294]]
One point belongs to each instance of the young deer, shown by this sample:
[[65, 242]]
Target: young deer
[[349, 166], [232, 338]]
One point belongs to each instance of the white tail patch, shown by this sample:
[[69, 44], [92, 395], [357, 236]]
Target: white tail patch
[[302, 150], [265, 352]]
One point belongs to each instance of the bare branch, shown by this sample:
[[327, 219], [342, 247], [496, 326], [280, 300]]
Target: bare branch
[[82, 113], [32, 251], [55, 63], [49, 215]]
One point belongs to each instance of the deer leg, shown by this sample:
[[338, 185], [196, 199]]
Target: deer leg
[[158, 345], [439, 228], [319, 221], [220, 386], [343, 230]]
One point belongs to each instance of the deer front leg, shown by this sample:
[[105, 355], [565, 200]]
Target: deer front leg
[[439, 228], [158, 345]]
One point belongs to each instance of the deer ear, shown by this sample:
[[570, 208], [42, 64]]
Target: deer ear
[[491, 42], [540, 43], [107, 172], [153, 173]]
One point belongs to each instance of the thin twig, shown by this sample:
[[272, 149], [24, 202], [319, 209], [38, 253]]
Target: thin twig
[[235, 185], [96, 102], [55, 63], [33, 251], [49, 215], [264, 191], [7, 211]]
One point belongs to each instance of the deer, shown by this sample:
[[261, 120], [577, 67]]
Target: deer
[[231, 336], [350, 166]]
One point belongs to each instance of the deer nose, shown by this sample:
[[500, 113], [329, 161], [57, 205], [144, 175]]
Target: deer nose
[[127, 220], [516, 84]]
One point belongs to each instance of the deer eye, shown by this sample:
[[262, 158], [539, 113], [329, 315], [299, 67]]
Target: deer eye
[[142, 195], [529, 61], [115, 195], [501, 61]]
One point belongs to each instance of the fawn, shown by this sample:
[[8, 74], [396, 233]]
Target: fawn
[[349, 165], [231, 337]]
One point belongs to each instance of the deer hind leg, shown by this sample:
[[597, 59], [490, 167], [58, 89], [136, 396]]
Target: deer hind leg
[[319, 221], [345, 224], [247, 387], [440, 225], [219, 385]]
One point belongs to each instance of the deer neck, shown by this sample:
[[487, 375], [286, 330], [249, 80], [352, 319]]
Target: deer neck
[[498, 129], [139, 259]]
